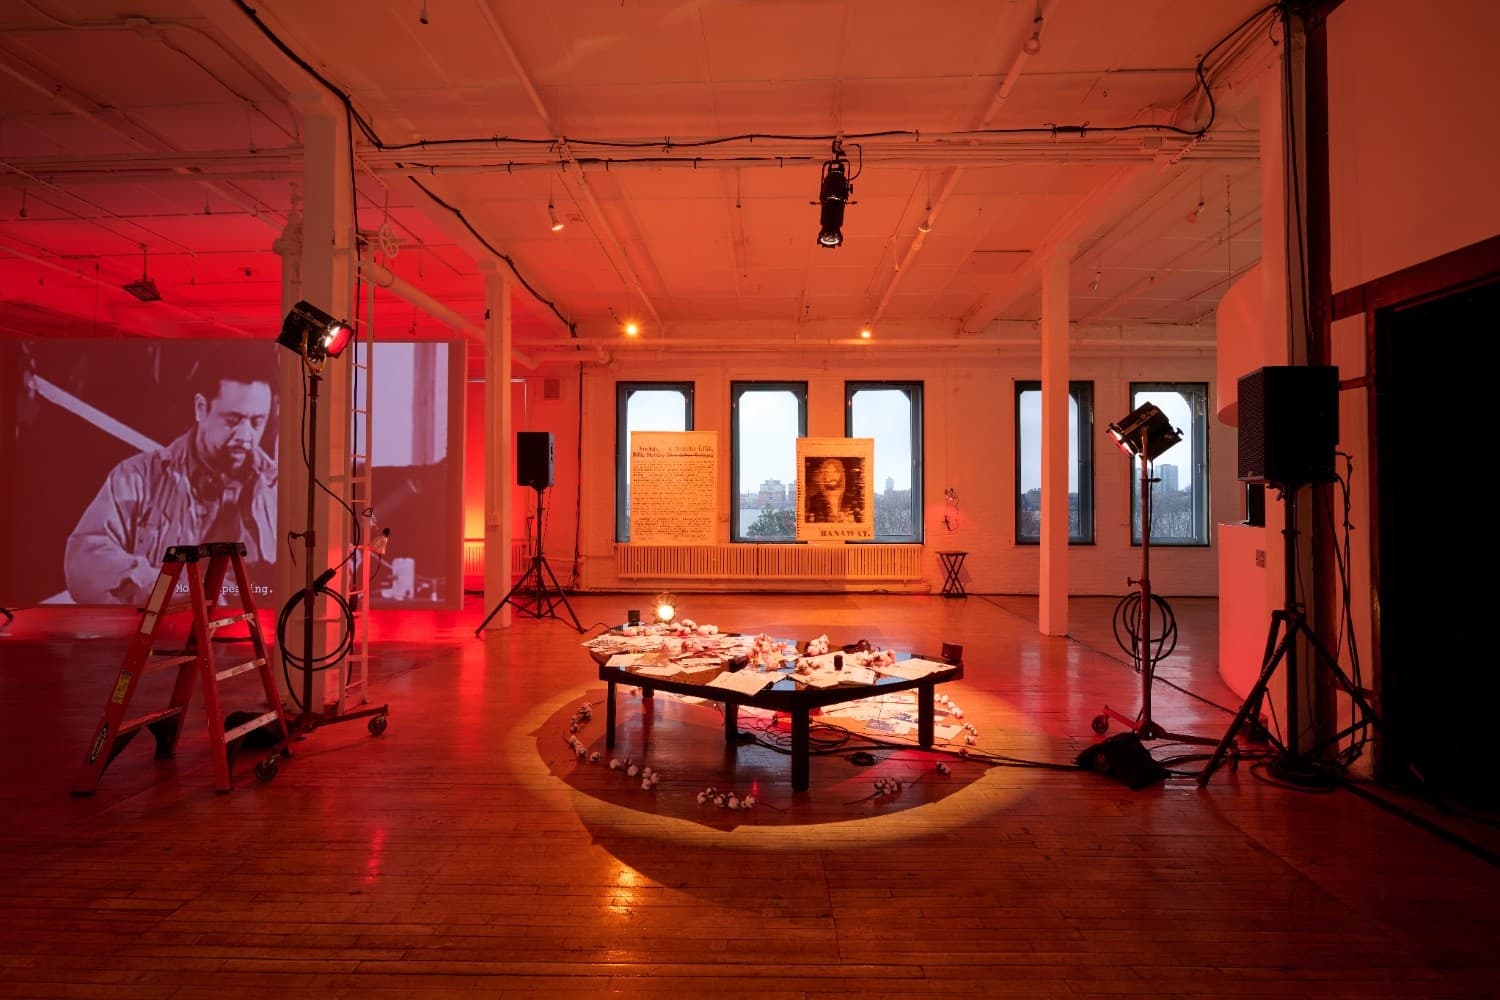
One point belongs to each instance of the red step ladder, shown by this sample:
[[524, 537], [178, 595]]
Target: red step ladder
[[194, 661]]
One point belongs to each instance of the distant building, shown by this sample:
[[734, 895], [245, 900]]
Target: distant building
[[890, 484], [772, 492], [1168, 474]]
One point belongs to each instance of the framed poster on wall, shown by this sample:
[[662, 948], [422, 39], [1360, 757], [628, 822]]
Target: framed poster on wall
[[835, 493]]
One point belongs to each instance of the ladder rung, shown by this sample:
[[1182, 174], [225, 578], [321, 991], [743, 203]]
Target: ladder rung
[[238, 668], [243, 728], [163, 662], [146, 720], [217, 623]]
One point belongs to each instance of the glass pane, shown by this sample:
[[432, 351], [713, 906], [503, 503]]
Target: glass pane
[[767, 425], [646, 410], [1029, 445], [1178, 497], [885, 415]]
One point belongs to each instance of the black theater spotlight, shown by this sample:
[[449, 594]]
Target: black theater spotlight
[[1145, 431], [312, 333], [833, 194]]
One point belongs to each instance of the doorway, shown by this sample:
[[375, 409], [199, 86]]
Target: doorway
[[1437, 543]]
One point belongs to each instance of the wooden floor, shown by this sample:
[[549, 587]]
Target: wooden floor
[[469, 852]]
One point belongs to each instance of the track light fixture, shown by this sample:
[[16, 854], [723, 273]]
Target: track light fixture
[[833, 194], [1033, 44], [144, 288], [552, 218]]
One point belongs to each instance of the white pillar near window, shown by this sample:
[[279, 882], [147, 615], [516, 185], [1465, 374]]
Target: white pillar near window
[[499, 433], [1052, 579], [317, 266]]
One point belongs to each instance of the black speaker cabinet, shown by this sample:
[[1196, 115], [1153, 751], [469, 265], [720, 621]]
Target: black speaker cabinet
[[534, 459], [1289, 424]]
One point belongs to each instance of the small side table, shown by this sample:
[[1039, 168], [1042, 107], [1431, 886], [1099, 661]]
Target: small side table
[[952, 561]]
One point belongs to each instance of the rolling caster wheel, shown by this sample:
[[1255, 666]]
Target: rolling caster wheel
[[1100, 723], [377, 725], [266, 769]]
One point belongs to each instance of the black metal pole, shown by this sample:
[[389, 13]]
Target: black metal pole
[[1293, 619], [1143, 643], [309, 547]]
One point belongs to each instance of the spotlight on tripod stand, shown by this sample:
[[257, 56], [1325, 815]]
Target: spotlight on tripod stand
[[315, 336], [1145, 434]]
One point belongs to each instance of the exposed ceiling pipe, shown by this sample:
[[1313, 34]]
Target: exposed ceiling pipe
[[935, 203], [1137, 287], [934, 345], [614, 248], [383, 277], [136, 136]]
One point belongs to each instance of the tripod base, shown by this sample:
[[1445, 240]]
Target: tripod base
[[1146, 729], [533, 595], [302, 725]]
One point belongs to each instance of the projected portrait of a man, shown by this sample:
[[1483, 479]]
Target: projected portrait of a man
[[213, 483]]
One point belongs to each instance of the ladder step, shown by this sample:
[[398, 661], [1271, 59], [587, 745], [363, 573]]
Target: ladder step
[[239, 668], [218, 623], [174, 659], [253, 724], [146, 720]]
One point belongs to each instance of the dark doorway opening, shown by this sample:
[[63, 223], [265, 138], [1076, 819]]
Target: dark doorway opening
[[1435, 430]]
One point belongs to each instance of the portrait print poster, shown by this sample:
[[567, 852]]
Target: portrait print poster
[[835, 490]]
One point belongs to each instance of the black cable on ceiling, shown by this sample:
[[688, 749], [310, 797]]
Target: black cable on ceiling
[[368, 131]]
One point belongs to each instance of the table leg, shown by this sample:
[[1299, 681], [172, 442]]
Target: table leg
[[925, 714], [609, 717], [800, 750], [731, 723]]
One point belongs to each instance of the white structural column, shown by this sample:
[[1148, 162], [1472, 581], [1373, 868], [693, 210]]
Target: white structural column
[[1052, 583], [499, 432], [322, 276]]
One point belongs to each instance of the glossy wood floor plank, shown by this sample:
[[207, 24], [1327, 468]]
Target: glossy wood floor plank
[[468, 852]]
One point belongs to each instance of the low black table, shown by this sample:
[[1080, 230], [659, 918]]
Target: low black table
[[783, 695]]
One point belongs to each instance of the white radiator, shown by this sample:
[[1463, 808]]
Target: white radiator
[[854, 563], [520, 554]]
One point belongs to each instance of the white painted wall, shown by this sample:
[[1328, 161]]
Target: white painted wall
[[969, 420]]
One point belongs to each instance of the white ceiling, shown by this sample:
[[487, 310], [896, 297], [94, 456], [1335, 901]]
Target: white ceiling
[[171, 125]]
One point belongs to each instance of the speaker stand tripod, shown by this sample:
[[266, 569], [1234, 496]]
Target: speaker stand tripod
[[537, 592], [1146, 649], [1288, 623]]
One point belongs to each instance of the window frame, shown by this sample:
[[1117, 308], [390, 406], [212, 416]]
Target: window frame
[[1081, 392], [623, 391], [1193, 392], [738, 388], [914, 393]]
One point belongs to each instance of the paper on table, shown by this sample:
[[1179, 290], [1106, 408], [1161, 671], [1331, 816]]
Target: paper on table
[[742, 681], [699, 664], [624, 660], [655, 670], [914, 668]]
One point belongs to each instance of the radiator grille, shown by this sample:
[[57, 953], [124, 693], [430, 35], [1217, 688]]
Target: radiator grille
[[520, 552], [780, 562]]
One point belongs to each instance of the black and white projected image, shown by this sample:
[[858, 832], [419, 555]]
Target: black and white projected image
[[123, 449]]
